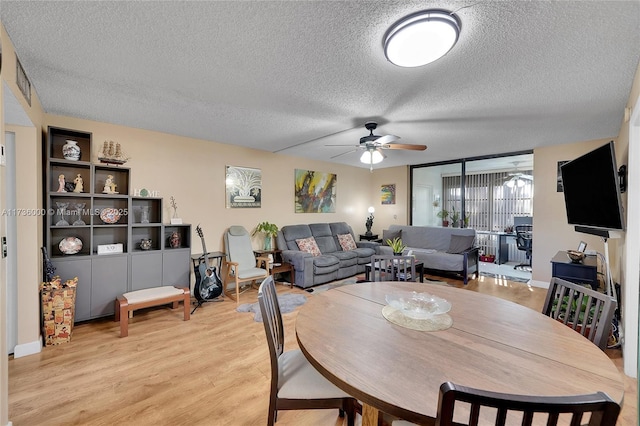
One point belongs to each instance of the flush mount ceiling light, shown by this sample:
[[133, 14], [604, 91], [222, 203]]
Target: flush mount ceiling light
[[421, 38]]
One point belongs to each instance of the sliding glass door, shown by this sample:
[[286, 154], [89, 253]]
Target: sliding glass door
[[431, 202], [481, 193]]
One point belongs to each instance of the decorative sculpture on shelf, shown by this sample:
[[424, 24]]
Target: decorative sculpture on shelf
[[112, 154], [174, 240], [61, 184], [109, 186], [369, 223], [79, 184]]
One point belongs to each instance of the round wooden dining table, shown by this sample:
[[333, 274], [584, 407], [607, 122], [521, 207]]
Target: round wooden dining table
[[493, 344]]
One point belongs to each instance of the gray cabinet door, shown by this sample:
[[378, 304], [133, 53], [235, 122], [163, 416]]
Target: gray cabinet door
[[69, 268], [108, 280], [146, 270], [176, 264]]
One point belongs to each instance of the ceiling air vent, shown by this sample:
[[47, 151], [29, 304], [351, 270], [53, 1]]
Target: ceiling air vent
[[23, 81]]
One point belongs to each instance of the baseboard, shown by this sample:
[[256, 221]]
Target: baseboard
[[27, 349], [540, 284]]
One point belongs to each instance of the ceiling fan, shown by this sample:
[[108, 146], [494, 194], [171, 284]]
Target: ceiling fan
[[517, 178], [372, 145]]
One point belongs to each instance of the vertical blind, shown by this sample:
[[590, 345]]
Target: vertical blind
[[490, 205]]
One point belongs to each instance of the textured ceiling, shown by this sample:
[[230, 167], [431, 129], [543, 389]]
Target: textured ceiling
[[295, 76]]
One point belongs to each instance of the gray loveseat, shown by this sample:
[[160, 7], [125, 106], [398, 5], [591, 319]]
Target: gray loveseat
[[440, 249], [333, 263]]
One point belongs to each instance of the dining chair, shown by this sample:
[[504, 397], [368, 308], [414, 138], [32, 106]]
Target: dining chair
[[240, 264], [586, 311], [295, 383], [392, 268], [479, 406]]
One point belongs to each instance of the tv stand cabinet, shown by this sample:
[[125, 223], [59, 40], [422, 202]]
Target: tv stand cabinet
[[585, 272]]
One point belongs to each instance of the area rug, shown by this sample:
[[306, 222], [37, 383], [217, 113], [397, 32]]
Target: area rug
[[287, 302]]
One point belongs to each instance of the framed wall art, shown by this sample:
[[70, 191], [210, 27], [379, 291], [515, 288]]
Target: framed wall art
[[243, 187], [315, 192], [559, 186], [388, 193]]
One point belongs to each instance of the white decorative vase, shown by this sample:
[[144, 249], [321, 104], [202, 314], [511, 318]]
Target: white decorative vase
[[71, 150]]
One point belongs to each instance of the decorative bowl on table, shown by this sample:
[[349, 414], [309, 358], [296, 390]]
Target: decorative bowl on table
[[70, 245], [575, 256], [417, 305]]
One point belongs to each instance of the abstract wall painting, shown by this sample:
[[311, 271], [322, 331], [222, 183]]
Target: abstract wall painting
[[315, 192], [388, 194]]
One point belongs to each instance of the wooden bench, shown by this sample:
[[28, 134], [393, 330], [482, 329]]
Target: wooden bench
[[155, 296]]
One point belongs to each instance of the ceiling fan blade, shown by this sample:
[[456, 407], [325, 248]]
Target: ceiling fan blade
[[386, 139], [344, 153], [318, 138], [352, 145], [404, 146]]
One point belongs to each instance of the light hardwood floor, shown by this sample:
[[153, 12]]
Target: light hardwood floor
[[211, 370]]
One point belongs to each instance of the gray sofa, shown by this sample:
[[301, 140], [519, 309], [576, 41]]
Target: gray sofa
[[334, 263], [440, 249]]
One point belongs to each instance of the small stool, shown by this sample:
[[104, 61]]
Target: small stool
[[155, 296]]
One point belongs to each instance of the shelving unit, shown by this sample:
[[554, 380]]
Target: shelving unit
[[100, 218]]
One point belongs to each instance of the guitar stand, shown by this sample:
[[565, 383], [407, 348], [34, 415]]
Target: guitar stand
[[201, 302]]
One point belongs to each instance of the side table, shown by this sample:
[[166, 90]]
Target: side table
[[278, 266], [372, 237], [585, 272]]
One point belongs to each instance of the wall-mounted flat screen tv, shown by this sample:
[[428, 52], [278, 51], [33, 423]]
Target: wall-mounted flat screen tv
[[592, 190]]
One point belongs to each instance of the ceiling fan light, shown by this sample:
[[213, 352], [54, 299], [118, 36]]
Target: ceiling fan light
[[421, 38], [372, 156], [510, 183], [520, 183], [377, 157]]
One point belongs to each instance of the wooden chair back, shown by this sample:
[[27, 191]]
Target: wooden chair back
[[587, 311], [393, 268], [478, 406], [272, 320], [307, 387]]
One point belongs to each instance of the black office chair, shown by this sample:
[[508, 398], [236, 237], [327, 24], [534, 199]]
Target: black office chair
[[524, 241]]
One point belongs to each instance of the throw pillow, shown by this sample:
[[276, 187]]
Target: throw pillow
[[346, 242], [460, 243], [309, 245], [390, 235]]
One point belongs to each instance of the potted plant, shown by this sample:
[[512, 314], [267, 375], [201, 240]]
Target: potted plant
[[465, 220], [444, 214], [572, 311], [269, 229], [455, 217], [397, 246]]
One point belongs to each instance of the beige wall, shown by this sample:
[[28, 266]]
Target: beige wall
[[552, 233], [28, 177], [28, 196], [4, 368], [388, 214]]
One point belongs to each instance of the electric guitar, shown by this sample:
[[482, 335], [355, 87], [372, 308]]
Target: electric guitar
[[208, 284]]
